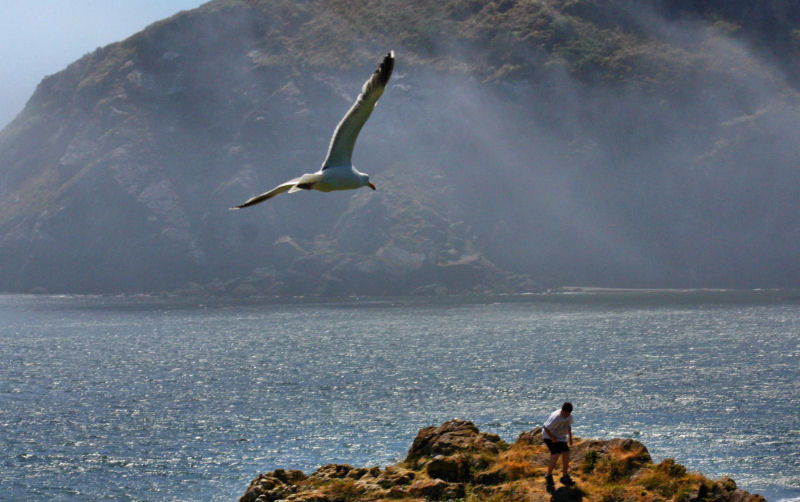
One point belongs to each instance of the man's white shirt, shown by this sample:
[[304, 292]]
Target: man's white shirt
[[558, 425]]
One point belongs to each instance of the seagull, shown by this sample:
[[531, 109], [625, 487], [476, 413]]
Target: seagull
[[338, 172]]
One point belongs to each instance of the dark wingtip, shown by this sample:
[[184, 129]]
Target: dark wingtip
[[386, 67]]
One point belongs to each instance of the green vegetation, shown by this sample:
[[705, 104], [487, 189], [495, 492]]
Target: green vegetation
[[589, 461], [498, 39]]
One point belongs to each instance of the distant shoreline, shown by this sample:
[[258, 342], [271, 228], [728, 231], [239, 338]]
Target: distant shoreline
[[565, 293], [601, 289]]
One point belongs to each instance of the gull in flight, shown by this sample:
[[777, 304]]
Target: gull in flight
[[338, 172]]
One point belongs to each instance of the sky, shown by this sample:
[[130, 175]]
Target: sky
[[41, 37]]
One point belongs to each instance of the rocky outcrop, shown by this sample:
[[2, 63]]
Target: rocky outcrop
[[456, 461]]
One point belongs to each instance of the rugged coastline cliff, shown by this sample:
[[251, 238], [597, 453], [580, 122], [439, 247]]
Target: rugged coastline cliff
[[521, 145], [456, 461]]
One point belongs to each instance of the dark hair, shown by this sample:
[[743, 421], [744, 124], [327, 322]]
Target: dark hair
[[567, 407]]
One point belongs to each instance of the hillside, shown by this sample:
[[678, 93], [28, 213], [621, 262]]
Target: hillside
[[520, 145], [456, 461]]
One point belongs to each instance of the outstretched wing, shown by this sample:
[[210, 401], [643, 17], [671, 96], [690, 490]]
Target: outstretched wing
[[344, 137], [268, 195]]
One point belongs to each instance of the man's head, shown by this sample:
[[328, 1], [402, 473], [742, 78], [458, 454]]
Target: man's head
[[566, 409]]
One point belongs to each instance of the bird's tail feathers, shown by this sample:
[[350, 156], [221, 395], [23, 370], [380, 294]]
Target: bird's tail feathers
[[304, 182]]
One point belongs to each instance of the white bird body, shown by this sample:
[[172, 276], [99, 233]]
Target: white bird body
[[338, 172]]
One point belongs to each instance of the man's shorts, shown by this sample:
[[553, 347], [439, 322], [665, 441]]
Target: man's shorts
[[556, 447]]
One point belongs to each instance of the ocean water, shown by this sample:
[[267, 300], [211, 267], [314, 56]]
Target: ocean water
[[140, 398]]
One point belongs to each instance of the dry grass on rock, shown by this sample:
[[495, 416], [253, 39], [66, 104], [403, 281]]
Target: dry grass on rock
[[456, 461]]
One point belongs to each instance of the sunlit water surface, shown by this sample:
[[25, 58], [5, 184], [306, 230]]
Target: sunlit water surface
[[174, 399]]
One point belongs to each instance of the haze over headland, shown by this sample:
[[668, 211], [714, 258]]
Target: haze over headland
[[42, 37], [519, 146]]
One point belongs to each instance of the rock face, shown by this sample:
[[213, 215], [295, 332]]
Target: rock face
[[456, 461], [519, 145]]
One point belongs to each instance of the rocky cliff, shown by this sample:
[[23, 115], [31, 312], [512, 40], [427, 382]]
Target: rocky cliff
[[519, 145], [456, 461]]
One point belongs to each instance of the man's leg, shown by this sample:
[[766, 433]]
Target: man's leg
[[552, 464], [565, 468], [551, 486]]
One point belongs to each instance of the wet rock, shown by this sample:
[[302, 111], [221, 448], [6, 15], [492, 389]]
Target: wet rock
[[723, 490], [269, 487]]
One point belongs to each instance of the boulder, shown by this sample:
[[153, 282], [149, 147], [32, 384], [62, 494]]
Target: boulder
[[436, 489], [451, 437], [455, 468], [531, 437]]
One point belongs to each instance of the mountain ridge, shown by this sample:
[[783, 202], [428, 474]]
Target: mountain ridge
[[507, 150]]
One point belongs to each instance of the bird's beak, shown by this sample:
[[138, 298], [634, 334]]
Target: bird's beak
[[372, 186]]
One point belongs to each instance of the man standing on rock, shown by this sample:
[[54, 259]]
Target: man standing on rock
[[557, 435]]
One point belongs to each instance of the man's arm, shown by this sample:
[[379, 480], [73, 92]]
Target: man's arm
[[569, 433]]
